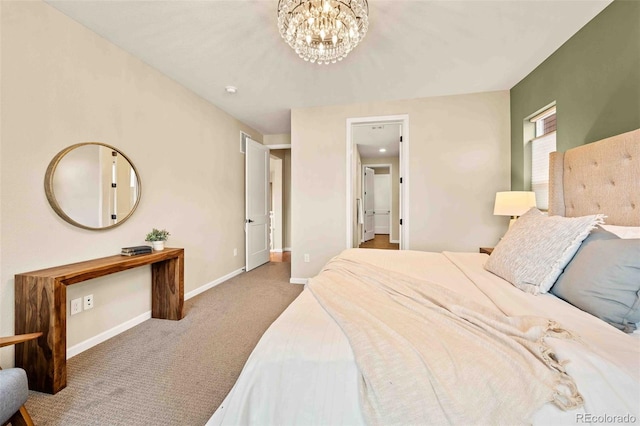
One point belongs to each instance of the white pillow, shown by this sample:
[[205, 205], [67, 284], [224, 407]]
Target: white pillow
[[624, 232], [535, 250]]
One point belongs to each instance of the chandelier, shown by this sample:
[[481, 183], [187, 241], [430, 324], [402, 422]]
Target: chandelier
[[323, 31]]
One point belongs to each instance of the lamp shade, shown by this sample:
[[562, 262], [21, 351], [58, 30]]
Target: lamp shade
[[514, 203]]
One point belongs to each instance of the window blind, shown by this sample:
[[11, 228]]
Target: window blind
[[540, 149]]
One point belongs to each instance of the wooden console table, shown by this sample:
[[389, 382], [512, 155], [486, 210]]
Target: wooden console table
[[41, 305]]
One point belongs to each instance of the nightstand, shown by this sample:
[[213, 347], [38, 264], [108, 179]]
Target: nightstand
[[486, 250]]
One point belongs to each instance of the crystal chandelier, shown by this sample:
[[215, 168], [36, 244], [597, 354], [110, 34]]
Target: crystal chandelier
[[323, 31]]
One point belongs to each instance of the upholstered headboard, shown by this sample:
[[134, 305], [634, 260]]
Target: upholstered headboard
[[600, 177]]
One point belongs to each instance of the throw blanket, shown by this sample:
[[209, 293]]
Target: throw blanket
[[429, 356]]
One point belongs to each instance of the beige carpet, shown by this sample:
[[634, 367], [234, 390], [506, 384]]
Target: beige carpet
[[171, 372]]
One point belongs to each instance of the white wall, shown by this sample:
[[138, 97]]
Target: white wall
[[459, 158], [62, 84]]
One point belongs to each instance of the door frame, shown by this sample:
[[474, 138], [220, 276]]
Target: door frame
[[403, 120], [390, 166]]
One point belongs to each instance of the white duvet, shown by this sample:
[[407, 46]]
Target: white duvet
[[302, 372]]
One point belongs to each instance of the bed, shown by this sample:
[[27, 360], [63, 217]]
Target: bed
[[310, 367]]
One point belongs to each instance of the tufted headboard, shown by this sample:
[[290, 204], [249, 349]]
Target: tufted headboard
[[600, 177]]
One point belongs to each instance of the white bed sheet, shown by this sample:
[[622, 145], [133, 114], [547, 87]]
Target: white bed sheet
[[303, 371]]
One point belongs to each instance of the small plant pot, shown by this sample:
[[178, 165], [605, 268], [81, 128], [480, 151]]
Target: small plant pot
[[158, 245]]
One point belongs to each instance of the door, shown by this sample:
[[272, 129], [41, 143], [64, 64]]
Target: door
[[369, 205], [382, 204], [256, 204]]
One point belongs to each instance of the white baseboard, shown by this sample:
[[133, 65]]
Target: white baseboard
[[287, 249], [276, 251], [106, 335], [298, 280], [212, 284], [394, 241]]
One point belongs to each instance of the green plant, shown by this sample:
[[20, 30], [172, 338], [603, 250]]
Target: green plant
[[157, 235]]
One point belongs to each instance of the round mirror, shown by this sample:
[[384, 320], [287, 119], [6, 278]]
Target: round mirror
[[92, 185]]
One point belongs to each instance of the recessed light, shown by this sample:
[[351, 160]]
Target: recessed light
[[231, 89], [382, 150]]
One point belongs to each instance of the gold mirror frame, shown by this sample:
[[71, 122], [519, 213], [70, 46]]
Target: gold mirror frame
[[48, 186]]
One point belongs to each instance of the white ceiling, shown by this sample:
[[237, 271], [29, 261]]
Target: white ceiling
[[413, 49], [373, 136]]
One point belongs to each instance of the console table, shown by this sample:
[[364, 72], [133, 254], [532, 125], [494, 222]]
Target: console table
[[41, 305]]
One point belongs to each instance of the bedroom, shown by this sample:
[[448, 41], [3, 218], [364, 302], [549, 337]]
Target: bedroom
[[148, 116]]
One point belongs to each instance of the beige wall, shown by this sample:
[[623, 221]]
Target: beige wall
[[458, 158], [62, 84], [395, 191], [281, 139]]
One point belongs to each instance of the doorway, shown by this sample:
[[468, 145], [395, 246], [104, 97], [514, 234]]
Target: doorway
[[280, 162], [380, 144], [368, 197], [385, 227]]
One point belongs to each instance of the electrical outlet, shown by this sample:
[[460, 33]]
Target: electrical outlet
[[76, 306], [88, 302], [235, 251], [306, 258]]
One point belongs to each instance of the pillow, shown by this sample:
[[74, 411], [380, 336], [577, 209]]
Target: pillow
[[623, 232], [537, 247], [603, 279]]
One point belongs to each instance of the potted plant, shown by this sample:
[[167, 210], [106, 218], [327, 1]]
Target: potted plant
[[157, 238]]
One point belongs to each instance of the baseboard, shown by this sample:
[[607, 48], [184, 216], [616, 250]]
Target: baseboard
[[106, 335], [298, 280], [212, 284], [287, 249], [276, 251], [394, 241]]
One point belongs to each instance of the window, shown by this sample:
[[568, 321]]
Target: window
[[543, 144]]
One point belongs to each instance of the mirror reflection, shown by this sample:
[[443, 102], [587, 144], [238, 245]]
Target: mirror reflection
[[92, 185]]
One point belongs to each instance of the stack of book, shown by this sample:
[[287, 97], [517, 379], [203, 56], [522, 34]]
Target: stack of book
[[133, 251]]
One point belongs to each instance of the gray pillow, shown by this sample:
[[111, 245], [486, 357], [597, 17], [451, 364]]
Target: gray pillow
[[603, 279], [537, 247]]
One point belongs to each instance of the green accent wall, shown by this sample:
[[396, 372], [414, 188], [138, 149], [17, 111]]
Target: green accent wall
[[594, 79]]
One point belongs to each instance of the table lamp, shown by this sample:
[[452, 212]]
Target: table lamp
[[513, 203]]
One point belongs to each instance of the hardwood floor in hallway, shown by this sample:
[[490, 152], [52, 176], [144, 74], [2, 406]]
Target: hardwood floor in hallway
[[284, 256], [380, 241]]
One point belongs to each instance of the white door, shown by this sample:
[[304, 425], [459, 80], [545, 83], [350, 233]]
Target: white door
[[382, 203], [369, 207], [256, 204]]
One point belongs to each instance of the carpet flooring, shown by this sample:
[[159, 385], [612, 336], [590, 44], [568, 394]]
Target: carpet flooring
[[171, 372]]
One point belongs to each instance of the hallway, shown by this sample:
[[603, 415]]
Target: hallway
[[380, 241]]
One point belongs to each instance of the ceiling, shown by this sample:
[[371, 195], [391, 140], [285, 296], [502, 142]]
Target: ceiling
[[371, 137], [413, 49]]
